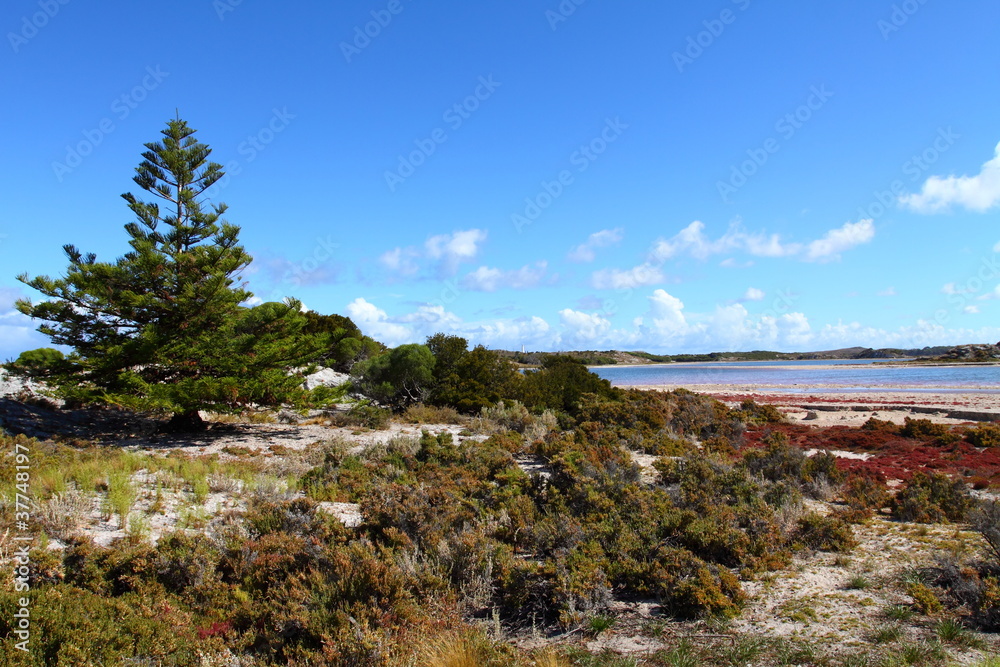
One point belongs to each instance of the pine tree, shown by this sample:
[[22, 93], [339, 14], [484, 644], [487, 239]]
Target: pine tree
[[162, 327]]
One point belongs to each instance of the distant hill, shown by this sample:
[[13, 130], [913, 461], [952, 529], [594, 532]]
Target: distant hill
[[976, 353], [621, 358]]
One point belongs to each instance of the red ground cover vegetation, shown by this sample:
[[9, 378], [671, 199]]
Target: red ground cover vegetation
[[894, 456]]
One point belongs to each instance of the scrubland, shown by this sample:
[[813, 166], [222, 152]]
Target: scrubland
[[635, 528]]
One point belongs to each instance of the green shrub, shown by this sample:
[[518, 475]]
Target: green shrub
[[688, 587], [73, 626], [430, 414], [365, 415], [39, 363], [984, 435], [922, 428], [756, 414], [881, 425], [778, 460], [932, 498], [864, 494], [924, 599], [827, 533]]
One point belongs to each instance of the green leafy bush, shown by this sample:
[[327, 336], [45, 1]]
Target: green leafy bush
[[365, 415], [757, 414], [922, 428], [882, 425], [827, 533], [932, 498], [865, 495], [984, 435]]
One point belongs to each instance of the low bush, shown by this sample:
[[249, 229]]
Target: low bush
[[865, 493], [925, 599], [932, 498], [365, 415], [689, 587], [756, 414], [826, 533], [431, 414], [874, 424], [985, 520], [922, 428], [513, 416], [983, 435]]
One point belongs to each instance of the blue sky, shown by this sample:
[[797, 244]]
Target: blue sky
[[675, 177]]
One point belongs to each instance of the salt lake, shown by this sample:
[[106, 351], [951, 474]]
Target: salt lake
[[813, 375]]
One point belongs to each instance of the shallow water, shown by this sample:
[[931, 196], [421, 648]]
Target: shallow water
[[845, 375]]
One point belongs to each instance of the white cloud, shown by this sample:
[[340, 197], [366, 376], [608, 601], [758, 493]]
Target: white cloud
[[401, 260], [585, 252], [977, 193], [642, 275], [458, 247], [889, 291], [374, 322], [761, 245], [996, 248], [583, 328], [447, 251], [487, 279], [794, 329], [532, 332], [666, 326], [692, 241], [844, 238], [434, 315], [950, 288], [971, 310], [754, 294], [992, 294], [666, 313], [17, 334]]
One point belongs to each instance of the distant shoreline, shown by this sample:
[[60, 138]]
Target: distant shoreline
[[791, 363]]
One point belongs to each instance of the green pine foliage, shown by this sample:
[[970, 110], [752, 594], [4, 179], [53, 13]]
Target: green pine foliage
[[347, 345], [162, 327]]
